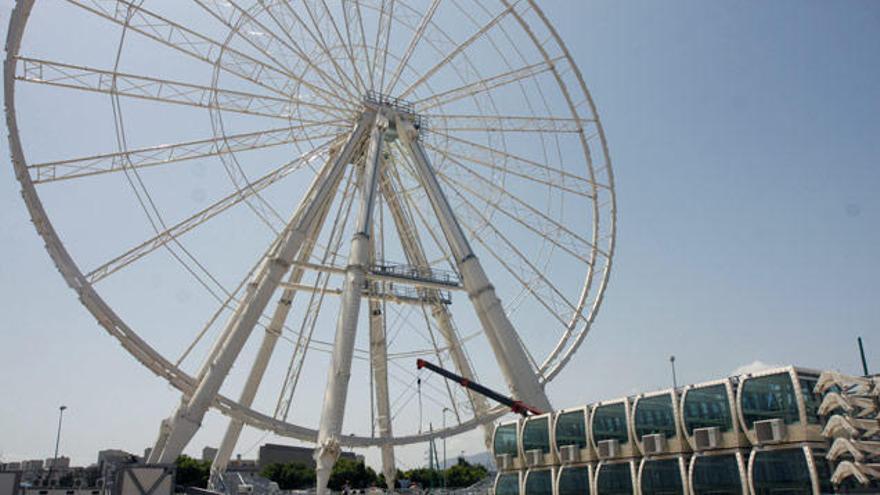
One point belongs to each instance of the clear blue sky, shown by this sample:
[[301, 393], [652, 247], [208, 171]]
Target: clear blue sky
[[744, 137]]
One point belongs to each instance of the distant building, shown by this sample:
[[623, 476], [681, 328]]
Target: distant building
[[208, 454], [289, 454], [109, 463], [59, 463]]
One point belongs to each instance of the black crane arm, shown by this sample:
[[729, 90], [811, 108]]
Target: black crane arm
[[516, 406]]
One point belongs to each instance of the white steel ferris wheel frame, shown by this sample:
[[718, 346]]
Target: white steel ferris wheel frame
[[290, 254]]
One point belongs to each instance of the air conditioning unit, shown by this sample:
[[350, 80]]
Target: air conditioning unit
[[654, 444], [609, 449], [534, 457], [569, 454], [707, 438], [770, 431], [504, 462]]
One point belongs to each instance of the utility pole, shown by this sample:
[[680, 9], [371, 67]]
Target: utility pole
[[674, 380], [864, 361], [445, 409], [57, 442]]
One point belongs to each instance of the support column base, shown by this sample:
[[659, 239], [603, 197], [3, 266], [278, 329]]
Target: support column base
[[325, 456]]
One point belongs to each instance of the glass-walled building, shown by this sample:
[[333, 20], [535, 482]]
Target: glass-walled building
[[777, 406], [663, 475], [719, 472], [509, 483], [616, 478], [505, 445], [575, 479], [656, 428], [609, 429], [792, 470], [536, 442], [539, 481], [570, 438], [708, 415]]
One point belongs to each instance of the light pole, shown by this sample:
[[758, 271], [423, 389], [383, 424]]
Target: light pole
[[445, 409], [672, 362], [57, 442]]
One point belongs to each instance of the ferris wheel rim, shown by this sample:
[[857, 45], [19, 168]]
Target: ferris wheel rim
[[161, 366]]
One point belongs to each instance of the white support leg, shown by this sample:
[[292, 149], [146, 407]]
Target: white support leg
[[509, 353], [188, 416], [379, 357], [333, 410], [415, 255], [267, 347]]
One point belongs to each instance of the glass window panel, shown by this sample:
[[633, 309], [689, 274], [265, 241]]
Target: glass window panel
[[810, 400], [609, 422], [539, 483], [571, 429], [536, 435], [574, 481], [505, 440], [508, 484], [661, 478], [717, 475], [769, 397], [823, 472], [655, 415], [706, 407], [614, 479], [781, 472]]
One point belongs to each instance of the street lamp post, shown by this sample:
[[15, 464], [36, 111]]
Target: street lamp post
[[445, 409], [674, 381], [57, 443]]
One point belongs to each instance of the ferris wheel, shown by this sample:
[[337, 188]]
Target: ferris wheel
[[278, 205]]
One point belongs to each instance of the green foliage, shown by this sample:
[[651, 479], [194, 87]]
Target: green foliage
[[292, 476], [345, 472], [464, 474], [461, 475], [353, 473], [192, 472], [358, 476]]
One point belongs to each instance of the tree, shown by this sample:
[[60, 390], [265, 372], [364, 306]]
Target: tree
[[353, 473], [192, 472], [464, 474], [293, 476]]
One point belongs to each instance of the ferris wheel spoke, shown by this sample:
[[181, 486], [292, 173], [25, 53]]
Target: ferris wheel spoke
[[351, 12], [202, 216], [411, 46], [459, 49], [216, 9], [198, 46], [524, 166], [163, 90], [346, 47], [484, 85], [267, 346], [384, 31], [152, 156], [530, 218], [415, 253], [297, 48], [440, 361], [460, 158], [548, 302], [316, 301], [507, 123]]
